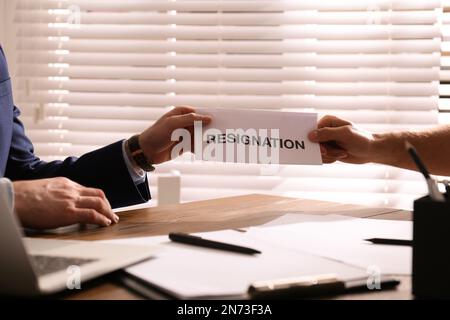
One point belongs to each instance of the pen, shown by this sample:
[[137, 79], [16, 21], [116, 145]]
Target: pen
[[309, 287], [395, 242], [198, 241], [433, 190]]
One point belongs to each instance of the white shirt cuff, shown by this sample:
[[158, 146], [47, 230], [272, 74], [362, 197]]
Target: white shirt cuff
[[137, 174], [6, 195]]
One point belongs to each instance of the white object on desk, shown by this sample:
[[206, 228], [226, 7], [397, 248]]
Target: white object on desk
[[342, 238], [293, 218], [169, 187]]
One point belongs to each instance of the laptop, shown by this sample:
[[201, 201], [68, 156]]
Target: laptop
[[32, 266]]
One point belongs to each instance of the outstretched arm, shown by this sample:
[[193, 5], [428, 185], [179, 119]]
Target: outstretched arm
[[342, 141], [104, 168]]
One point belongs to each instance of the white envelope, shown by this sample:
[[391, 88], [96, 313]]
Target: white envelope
[[258, 136]]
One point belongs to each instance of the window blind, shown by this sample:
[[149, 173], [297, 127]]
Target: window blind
[[444, 90], [88, 73]]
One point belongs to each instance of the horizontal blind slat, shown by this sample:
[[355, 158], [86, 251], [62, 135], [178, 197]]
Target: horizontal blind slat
[[235, 46], [237, 88], [359, 74], [212, 18], [242, 101], [239, 6], [250, 61], [367, 31]]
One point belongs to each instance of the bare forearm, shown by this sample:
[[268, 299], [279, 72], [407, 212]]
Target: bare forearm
[[432, 145]]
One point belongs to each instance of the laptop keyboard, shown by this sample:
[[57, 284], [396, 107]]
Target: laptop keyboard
[[44, 265]]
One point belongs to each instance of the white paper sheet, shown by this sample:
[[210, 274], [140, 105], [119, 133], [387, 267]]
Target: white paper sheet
[[291, 143], [300, 217], [194, 271], [342, 238]]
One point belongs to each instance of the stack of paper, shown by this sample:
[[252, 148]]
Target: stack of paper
[[293, 246], [190, 271]]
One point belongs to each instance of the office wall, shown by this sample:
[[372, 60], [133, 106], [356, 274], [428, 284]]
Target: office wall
[[2, 20], [7, 33]]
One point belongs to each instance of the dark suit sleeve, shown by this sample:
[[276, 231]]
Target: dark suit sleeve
[[104, 168]]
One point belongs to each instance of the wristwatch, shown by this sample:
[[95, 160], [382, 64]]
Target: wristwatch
[[138, 155]]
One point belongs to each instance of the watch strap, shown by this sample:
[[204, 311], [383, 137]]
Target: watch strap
[[138, 155]]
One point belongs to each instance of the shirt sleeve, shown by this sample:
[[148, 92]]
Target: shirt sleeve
[[6, 194], [137, 174]]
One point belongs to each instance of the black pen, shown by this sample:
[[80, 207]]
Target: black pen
[[198, 241], [312, 287], [433, 190], [394, 242]]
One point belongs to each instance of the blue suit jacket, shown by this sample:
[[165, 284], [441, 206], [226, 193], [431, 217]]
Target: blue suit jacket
[[104, 168]]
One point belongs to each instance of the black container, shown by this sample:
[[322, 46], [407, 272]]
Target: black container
[[431, 249]]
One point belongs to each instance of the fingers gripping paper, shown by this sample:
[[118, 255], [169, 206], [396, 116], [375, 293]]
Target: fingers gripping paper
[[257, 136]]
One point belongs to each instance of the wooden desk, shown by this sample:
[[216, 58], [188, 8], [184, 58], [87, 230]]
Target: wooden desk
[[225, 213]]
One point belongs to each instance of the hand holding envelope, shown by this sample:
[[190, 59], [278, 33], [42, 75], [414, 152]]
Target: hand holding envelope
[[257, 136]]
